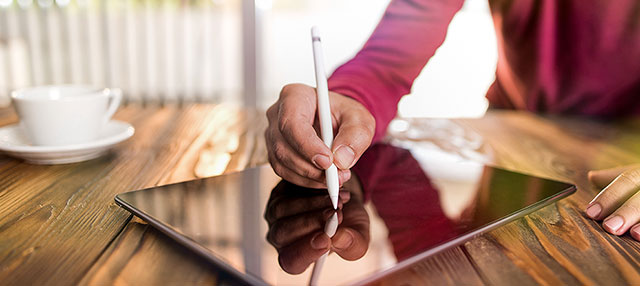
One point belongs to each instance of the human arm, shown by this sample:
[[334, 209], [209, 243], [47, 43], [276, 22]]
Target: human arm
[[364, 97], [383, 71]]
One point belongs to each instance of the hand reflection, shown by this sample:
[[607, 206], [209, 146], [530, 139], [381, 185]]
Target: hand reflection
[[296, 218]]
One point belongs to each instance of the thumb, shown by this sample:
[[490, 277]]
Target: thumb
[[349, 243], [356, 127]]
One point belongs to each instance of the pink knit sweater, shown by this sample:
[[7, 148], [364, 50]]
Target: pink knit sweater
[[555, 56]]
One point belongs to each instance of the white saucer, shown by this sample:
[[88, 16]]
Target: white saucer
[[14, 143]]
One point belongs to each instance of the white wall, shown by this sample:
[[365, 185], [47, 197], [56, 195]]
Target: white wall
[[452, 85], [180, 50]]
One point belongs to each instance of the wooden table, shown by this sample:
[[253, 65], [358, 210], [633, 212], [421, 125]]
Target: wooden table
[[60, 225]]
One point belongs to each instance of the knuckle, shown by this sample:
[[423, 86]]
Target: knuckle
[[305, 173], [271, 111], [271, 138], [629, 208], [629, 177], [277, 235], [368, 125], [310, 173], [371, 127], [270, 239], [287, 89], [291, 89], [279, 152], [287, 264], [367, 117], [359, 139], [634, 175], [277, 168], [283, 124], [267, 215], [277, 212]]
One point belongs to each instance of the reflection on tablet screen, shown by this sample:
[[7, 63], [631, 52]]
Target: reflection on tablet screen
[[400, 206]]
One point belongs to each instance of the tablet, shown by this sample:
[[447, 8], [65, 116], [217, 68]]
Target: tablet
[[404, 205]]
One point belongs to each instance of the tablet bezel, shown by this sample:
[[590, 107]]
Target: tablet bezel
[[249, 278]]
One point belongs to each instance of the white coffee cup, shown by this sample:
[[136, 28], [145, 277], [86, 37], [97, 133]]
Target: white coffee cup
[[64, 114]]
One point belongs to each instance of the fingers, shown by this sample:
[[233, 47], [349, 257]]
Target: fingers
[[286, 231], [295, 150], [289, 164], [297, 218], [614, 195], [296, 115], [296, 257], [285, 207], [309, 244], [635, 232], [293, 177], [627, 215], [602, 178], [279, 210], [355, 132], [619, 202], [349, 243]]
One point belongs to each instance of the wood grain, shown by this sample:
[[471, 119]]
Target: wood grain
[[225, 126], [60, 222], [451, 267], [556, 245], [57, 220], [131, 267]]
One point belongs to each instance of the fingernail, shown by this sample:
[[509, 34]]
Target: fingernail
[[321, 161], [594, 210], [344, 157], [344, 241], [613, 223], [635, 231], [320, 241]]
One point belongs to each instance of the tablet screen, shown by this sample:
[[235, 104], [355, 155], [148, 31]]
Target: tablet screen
[[403, 205]]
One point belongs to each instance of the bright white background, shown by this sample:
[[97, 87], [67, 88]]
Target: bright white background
[[193, 49], [453, 84]]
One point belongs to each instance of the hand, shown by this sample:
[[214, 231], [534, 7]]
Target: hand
[[296, 218], [619, 202], [297, 153]]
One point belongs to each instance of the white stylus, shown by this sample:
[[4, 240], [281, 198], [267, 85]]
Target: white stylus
[[329, 229], [324, 114]]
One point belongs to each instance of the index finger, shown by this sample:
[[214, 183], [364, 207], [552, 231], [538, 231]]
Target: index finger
[[602, 178], [295, 121], [614, 195], [296, 257]]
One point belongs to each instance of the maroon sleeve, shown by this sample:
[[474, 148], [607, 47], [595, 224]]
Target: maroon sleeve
[[404, 197], [384, 69]]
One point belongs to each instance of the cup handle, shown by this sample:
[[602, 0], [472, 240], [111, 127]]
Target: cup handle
[[115, 96]]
